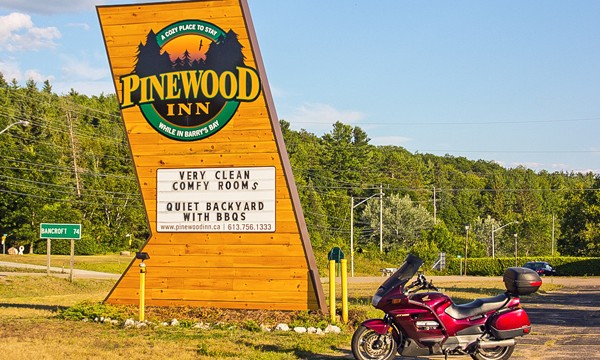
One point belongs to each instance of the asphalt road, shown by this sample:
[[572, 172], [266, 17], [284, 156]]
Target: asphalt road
[[566, 323]]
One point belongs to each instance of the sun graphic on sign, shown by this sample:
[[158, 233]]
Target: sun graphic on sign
[[195, 45]]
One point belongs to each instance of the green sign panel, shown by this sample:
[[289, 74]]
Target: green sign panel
[[60, 231]]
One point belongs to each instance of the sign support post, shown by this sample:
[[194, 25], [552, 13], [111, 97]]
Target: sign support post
[[72, 262], [48, 256], [60, 231]]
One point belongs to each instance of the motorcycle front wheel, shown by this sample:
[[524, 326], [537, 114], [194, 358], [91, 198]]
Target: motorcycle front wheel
[[370, 345], [498, 353]]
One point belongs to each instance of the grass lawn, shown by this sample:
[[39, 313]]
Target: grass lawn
[[112, 263], [31, 328]]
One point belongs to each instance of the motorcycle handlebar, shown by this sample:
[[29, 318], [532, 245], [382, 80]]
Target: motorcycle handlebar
[[422, 284]]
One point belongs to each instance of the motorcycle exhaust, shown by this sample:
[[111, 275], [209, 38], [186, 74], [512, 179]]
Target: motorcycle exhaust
[[494, 343]]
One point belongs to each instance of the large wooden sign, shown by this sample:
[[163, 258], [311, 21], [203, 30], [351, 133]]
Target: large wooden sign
[[226, 222]]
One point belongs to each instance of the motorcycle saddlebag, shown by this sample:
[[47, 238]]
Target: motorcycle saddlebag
[[509, 324], [521, 281]]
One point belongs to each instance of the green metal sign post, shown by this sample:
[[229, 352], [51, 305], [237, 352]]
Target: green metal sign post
[[60, 231]]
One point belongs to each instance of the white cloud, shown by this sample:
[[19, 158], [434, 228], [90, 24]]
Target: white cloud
[[81, 70], [559, 166], [583, 170], [18, 33], [84, 26], [50, 6], [533, 165], [60, 6], [317, 117], [390, 140], [10, 70], [37, 76], [14, 22], [84, 87]]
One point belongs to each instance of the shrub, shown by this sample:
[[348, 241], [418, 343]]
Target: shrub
[[566, 266], [92, 310]]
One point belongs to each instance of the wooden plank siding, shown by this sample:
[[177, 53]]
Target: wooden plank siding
[[271, 270]]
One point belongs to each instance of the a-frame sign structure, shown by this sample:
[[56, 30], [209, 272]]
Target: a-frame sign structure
[[227, 226]]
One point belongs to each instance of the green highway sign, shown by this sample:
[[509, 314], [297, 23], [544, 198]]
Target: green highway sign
[[60, 231]]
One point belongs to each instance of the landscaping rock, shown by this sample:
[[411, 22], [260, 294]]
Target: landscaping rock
[[202, 326], [300, 329], [282, 327], [332, 329], [141, 324], [129, 323]]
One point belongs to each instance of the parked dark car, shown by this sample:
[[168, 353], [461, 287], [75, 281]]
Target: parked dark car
[[542, 267]]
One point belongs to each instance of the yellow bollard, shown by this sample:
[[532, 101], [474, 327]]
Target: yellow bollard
[[332, 290], [142, 290], [344, 276]]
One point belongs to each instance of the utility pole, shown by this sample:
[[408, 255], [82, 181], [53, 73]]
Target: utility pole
[[380, 218], [434, 207], [516, 249], [466, 247], [493, 231], [552, 234], [352, 206], [352, 236], [74, 152]]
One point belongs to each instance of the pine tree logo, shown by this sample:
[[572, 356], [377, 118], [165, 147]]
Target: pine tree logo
[[189, 79]]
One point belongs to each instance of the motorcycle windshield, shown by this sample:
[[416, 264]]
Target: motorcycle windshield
[[404, 273]]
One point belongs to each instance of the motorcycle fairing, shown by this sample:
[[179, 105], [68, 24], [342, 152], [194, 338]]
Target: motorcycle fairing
[[380, 326], [398, 279]]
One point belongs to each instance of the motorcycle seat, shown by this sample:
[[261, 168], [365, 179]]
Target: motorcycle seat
[[476, 307]]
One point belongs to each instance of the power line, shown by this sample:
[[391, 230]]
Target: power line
[[452, 123], [70, 200], [514, 151]]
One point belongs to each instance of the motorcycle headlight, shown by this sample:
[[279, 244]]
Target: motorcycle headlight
[[376, 300]]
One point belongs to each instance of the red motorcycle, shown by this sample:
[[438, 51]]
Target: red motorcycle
[[429, 323]]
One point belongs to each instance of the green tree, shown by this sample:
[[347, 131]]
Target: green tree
[[581, 224], [403, 222], [446, 241]]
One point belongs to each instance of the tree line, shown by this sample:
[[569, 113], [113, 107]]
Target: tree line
[[429, 201], [71, 164]]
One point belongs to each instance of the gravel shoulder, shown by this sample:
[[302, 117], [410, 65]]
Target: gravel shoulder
[[54, 271]]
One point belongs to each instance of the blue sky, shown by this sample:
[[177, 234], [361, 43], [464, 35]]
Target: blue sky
[[515, 82]]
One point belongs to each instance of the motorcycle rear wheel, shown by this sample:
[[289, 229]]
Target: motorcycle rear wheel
[[370, 345], [498, 353]]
